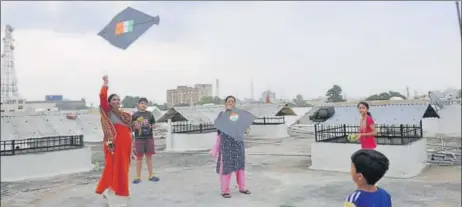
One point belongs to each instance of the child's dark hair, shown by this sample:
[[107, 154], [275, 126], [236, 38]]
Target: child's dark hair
[[109, 99], [371, 164], [367, 107], [145, 100], [228, 97]]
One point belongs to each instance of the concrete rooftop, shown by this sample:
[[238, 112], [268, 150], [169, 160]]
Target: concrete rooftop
[[189, 180]]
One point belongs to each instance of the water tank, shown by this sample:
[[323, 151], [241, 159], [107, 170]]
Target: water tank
[[396, 98], [323, 113]]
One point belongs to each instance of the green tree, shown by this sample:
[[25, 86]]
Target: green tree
[[130, 101], [299, 101], [180, 105], [209, 100], [385, 96], [162, 106], [217, 100], [335, 94], [206, 100]]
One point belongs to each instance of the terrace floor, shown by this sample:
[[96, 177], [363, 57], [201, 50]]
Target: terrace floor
[[189, 180]]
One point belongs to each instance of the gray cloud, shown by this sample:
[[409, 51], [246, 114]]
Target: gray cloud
[[289, 47]]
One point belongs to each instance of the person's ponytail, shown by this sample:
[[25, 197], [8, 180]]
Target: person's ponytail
[[369, 114]]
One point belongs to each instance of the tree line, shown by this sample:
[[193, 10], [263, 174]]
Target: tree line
[[334, 94]]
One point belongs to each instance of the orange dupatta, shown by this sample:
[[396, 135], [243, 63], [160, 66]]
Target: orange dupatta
[[109, 131]]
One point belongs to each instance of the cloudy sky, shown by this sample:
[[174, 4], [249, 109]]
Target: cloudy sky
[[287, 47]]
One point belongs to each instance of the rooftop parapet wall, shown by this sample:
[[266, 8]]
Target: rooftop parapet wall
[[44, 124], [206, 114]]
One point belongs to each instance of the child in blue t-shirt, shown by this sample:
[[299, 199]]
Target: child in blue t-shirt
[[367, 167]]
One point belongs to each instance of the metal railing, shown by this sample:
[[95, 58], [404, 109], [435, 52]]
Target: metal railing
[[386, 134], [43, 144], [275, 120], [186, 127]]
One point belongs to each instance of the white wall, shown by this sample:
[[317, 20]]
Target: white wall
[[205, 141], [190, 142], [300, 111], [47, 164], [405, 160], [52, 124], [269, 131], [448, 125]]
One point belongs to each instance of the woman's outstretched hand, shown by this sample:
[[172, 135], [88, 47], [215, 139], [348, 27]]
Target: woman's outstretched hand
[[105, 80]]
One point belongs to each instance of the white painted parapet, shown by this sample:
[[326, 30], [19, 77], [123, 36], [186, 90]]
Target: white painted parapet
[[46, 164], [269, 131], [448, 125], [405, 160], [169, 137], [193, 141]]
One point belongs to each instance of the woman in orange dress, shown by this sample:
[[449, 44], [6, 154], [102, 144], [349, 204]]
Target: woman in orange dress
[[117, 144]]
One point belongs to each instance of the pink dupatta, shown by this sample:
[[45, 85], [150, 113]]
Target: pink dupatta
[[216, 147]]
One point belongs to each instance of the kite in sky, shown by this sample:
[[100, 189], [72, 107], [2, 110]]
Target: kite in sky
[[127, 26], [234, 123]]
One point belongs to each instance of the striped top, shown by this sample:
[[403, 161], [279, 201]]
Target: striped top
[[359, 198]]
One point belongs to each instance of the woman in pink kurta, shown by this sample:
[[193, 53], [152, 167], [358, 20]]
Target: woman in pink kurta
[[367, 130], [230, 155]]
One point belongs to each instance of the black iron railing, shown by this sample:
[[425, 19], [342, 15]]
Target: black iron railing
[[43, 144], [186, 127], [386, 134], [275, 120]]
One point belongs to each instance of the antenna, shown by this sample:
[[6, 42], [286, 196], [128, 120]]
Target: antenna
[[459, 17], [408, 94], [9, 82], [251, 90], [217, 88]]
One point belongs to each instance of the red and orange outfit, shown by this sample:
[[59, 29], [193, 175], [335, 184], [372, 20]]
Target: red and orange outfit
[[367, 142], [116, 128]]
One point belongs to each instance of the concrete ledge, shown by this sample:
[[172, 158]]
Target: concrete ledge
[[269, 131], [47, 164], [447, 126], [406, 161], [179, 142]]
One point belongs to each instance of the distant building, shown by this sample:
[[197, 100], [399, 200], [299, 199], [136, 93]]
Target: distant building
[[54, 98], [450, 94], [396, 98], [270, 94], [316, 101], [188, 95], [204, 89], [12, 104], [58, 105]]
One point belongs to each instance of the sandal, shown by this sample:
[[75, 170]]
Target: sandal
[[247, 192], [154, 178], [226, 195], [136, 180]]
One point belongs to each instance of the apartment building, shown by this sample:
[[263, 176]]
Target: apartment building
[[187, 94]]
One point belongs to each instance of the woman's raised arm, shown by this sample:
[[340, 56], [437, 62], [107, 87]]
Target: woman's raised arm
[[103, 102]]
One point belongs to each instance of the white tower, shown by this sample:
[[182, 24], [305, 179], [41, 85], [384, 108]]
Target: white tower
[[251, 90], [9, 82], [217, 88], [408, 93]]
